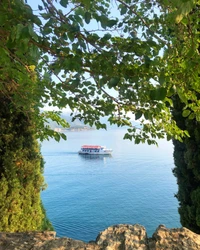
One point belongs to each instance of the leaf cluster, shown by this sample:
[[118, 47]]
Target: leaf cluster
[[81, 56]]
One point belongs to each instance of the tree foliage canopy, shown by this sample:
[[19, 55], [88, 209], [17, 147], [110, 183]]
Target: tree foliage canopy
[[120, 59], [21, 163]]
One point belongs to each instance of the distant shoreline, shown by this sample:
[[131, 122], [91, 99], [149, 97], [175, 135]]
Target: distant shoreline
[[73, 129]]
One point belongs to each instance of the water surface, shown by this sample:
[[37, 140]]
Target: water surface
[[87, 194]]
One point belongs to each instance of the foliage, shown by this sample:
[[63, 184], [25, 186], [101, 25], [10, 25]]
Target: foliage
[[98, 65], [93, 63], [21, 164], [77, 55], [187, 160], [19, 80], [184, 65], [46, 224], [116, 69], [21, 167], [100, 74]]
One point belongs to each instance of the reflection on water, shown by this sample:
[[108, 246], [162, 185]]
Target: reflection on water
[[62, 153], [94, 157]]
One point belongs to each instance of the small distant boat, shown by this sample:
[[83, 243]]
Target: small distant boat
[[94, 150]]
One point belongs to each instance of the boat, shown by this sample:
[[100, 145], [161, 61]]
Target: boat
[[94, 150]]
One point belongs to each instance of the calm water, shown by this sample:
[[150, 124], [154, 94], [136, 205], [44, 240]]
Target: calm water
[[85, 195]]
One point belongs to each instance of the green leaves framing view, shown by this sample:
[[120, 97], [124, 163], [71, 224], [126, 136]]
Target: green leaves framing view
[[125, 60]]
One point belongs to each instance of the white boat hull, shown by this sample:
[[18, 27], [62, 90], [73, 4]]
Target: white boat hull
[[95, 153], [94, 150]]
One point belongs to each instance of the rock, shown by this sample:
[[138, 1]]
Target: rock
[[117, 237], [174, 239], [123, 237], [67, 244], [41, 241], [22, 241]]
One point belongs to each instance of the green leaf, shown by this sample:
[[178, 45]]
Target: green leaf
[[104, 21], [147, 61], [34, 52], [186, 112], [25, 33], [146, 115], [64, 137], [107, 36], [158, 94], [192, 116], [162, 77], [198, 117], [56, 136], [32, 33], [138, 114], [184, 9], [40, 7], [162, 92], [113, 82], [126, 122], [64, 3], [19, 30], [149, 142], [169, 137], [123, 10], [186, 133], [137, 140], [46, 15], [182, 95], [37, 21], [127, 137], [86, 3], [70, 36], [87, 17], [111, 23]]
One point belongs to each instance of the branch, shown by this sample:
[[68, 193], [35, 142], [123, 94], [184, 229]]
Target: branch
[[143, 21]]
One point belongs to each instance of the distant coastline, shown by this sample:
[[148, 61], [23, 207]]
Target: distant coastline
[[73, 129], [78, 125]]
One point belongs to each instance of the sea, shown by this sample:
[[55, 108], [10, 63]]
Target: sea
[[87, 194]]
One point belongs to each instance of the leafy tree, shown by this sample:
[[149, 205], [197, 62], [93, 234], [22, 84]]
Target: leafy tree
[[146, 83], [111, 69], [99, 65], [76, 54], [21, 173], [185, 54], [21, 164], [186, 157]]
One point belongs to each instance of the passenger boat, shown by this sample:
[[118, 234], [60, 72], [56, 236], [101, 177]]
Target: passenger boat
[[94, 150]]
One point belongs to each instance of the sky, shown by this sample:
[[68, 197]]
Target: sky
[[34, 5]]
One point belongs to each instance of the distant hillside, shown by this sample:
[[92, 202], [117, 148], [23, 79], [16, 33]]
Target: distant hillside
[[77, 124]]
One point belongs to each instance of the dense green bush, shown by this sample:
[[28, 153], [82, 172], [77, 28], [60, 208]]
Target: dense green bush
[[21, 163], [187, 170], [21, 168]]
